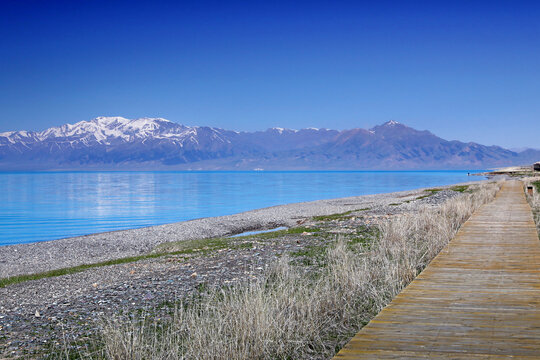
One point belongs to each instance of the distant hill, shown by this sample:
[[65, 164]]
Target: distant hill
[[154, 143]]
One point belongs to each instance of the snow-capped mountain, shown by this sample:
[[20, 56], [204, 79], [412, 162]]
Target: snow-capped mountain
[[114, 140], [111, 130], [156, 143]]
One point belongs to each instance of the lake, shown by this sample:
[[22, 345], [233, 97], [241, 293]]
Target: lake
[[38, 206]]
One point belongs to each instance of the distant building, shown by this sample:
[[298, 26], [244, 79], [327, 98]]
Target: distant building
[[536, 166]]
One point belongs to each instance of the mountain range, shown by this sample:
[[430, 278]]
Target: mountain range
[[117, 143]]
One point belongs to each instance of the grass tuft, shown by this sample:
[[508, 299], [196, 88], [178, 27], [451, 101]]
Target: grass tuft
[[431, 193], [460, 188], [338, 216]]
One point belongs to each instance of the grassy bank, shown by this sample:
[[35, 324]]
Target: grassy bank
[[296, 311]]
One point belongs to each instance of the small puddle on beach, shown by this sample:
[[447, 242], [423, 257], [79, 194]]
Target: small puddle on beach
[[259, 232]]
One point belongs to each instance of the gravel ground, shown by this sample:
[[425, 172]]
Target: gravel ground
[[42, 313]]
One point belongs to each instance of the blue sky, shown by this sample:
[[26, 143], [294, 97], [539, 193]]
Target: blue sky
[[464, 70]]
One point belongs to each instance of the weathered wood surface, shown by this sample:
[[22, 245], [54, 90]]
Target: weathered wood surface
[[478, 299]]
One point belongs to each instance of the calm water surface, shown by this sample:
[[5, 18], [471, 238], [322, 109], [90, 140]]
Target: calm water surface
[[42, 206]]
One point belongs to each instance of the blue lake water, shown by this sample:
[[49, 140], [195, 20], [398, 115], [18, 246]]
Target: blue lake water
[[38, 206]]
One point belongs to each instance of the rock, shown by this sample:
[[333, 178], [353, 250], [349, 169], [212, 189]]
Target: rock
[[37, 314]]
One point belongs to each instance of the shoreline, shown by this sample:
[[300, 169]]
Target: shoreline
[[38, 314], [30, 258]]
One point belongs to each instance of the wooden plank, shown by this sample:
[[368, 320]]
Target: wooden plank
[[478, 299]]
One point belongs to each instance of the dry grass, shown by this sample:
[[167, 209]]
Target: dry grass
[[534, 200], [294, 314]]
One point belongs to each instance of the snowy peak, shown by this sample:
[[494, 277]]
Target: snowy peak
[[394, 129], [392, 124], [123, 124], [109, 120], [14, 137], [105, 130], [281, 131]]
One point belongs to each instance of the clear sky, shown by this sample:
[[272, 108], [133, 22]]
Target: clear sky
[[464, 70]]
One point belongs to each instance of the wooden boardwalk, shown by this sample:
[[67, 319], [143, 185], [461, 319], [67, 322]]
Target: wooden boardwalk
[[478, 299]]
